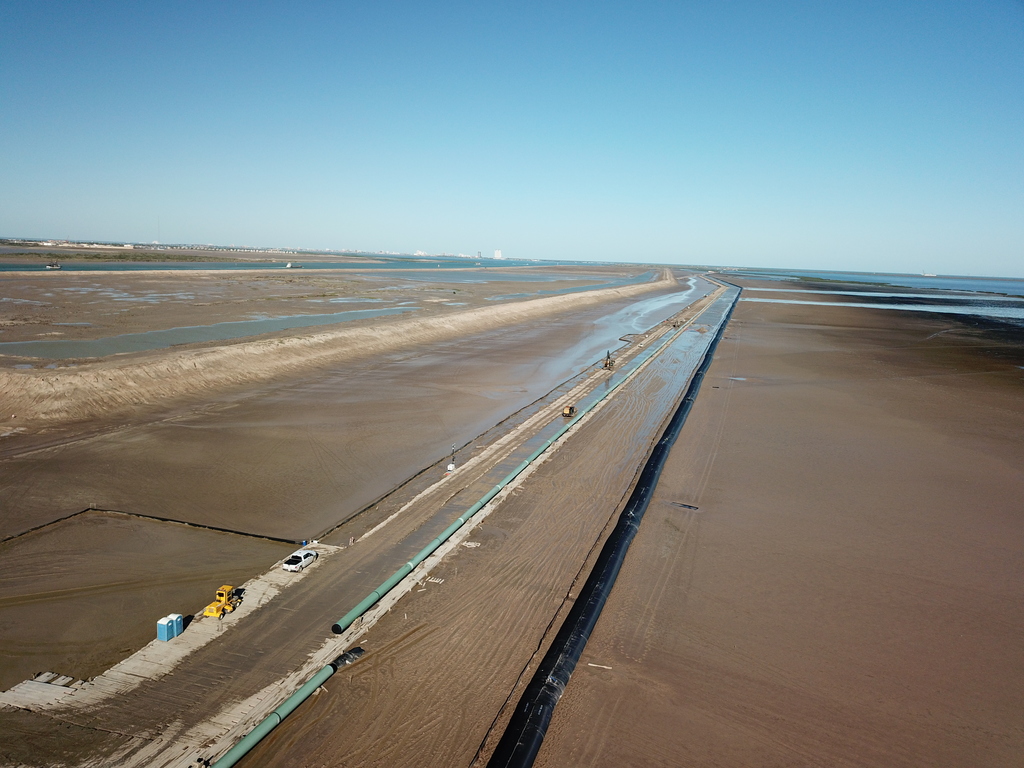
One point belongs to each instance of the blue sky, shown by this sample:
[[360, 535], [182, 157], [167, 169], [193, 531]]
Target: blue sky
[[869, 136]]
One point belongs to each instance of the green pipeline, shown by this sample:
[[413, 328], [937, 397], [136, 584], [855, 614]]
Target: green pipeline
[[371, 599], [289, 705], [271, 721]]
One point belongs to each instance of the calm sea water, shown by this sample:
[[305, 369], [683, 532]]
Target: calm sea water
[[483, 276], [1004, 285], [997, 298], [941, 296], [999, 310]]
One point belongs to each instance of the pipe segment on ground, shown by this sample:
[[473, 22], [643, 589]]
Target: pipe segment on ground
[[289, 705], [271, 721], [524, 734], [367, 602]]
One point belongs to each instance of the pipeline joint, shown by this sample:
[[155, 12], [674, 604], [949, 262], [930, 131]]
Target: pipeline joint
[[348, 657]]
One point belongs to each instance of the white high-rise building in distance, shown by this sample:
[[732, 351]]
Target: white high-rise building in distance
[[497, 254]]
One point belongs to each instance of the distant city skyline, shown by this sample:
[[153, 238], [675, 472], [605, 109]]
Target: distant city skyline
[[873, 137]]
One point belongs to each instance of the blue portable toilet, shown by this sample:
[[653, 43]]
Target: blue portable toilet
[[164, 629], [179, 623]]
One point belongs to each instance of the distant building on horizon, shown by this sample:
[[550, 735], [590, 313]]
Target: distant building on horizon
[[497, 254]]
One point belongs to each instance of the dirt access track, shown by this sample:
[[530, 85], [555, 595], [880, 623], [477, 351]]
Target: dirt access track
[[563, 331], [829, 575], [526, 562]]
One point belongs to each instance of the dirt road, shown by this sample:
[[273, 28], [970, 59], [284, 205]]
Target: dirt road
[[143, 467], [442, 664]]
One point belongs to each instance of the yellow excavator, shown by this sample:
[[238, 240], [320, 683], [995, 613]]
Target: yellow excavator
[[226, 602]]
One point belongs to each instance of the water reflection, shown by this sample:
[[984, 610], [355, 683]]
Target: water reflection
[[979, 308]]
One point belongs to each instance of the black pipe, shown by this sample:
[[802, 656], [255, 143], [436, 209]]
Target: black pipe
[[525, 731]]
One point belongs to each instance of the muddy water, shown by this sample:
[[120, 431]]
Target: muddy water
[[643, 314], [60, 349], [981, 308]]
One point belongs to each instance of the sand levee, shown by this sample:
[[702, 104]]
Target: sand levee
[[525, 731], [108, 387]]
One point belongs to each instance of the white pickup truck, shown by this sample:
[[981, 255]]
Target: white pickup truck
[[298, 560]]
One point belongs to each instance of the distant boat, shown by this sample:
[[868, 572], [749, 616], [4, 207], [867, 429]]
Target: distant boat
[[53, 265], [927, 274], [289, 265]]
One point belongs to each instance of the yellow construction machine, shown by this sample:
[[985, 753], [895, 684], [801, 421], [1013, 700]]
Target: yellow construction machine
[[226, 602]]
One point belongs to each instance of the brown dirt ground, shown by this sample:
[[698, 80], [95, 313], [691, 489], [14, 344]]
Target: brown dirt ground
[[81, 595], [847, 593], [289, 458], [440, 666], [850, 590], [292, 459]]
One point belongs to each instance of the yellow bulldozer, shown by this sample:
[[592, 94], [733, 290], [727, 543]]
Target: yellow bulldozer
[[227, 600]]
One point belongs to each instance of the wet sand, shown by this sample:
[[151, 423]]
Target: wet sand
[[442, 663], [289, 458], [849, 591], [88, 305], [292, 459], [79, 597], [125, 386]]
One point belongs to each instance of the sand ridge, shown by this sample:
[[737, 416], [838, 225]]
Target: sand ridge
[[118, 386]]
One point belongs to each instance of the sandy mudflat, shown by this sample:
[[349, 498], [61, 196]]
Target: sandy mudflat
[[80, 597], [847, 592], [440, 666], [291, 457], [122, 386], [93, 304], [850, 590]]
